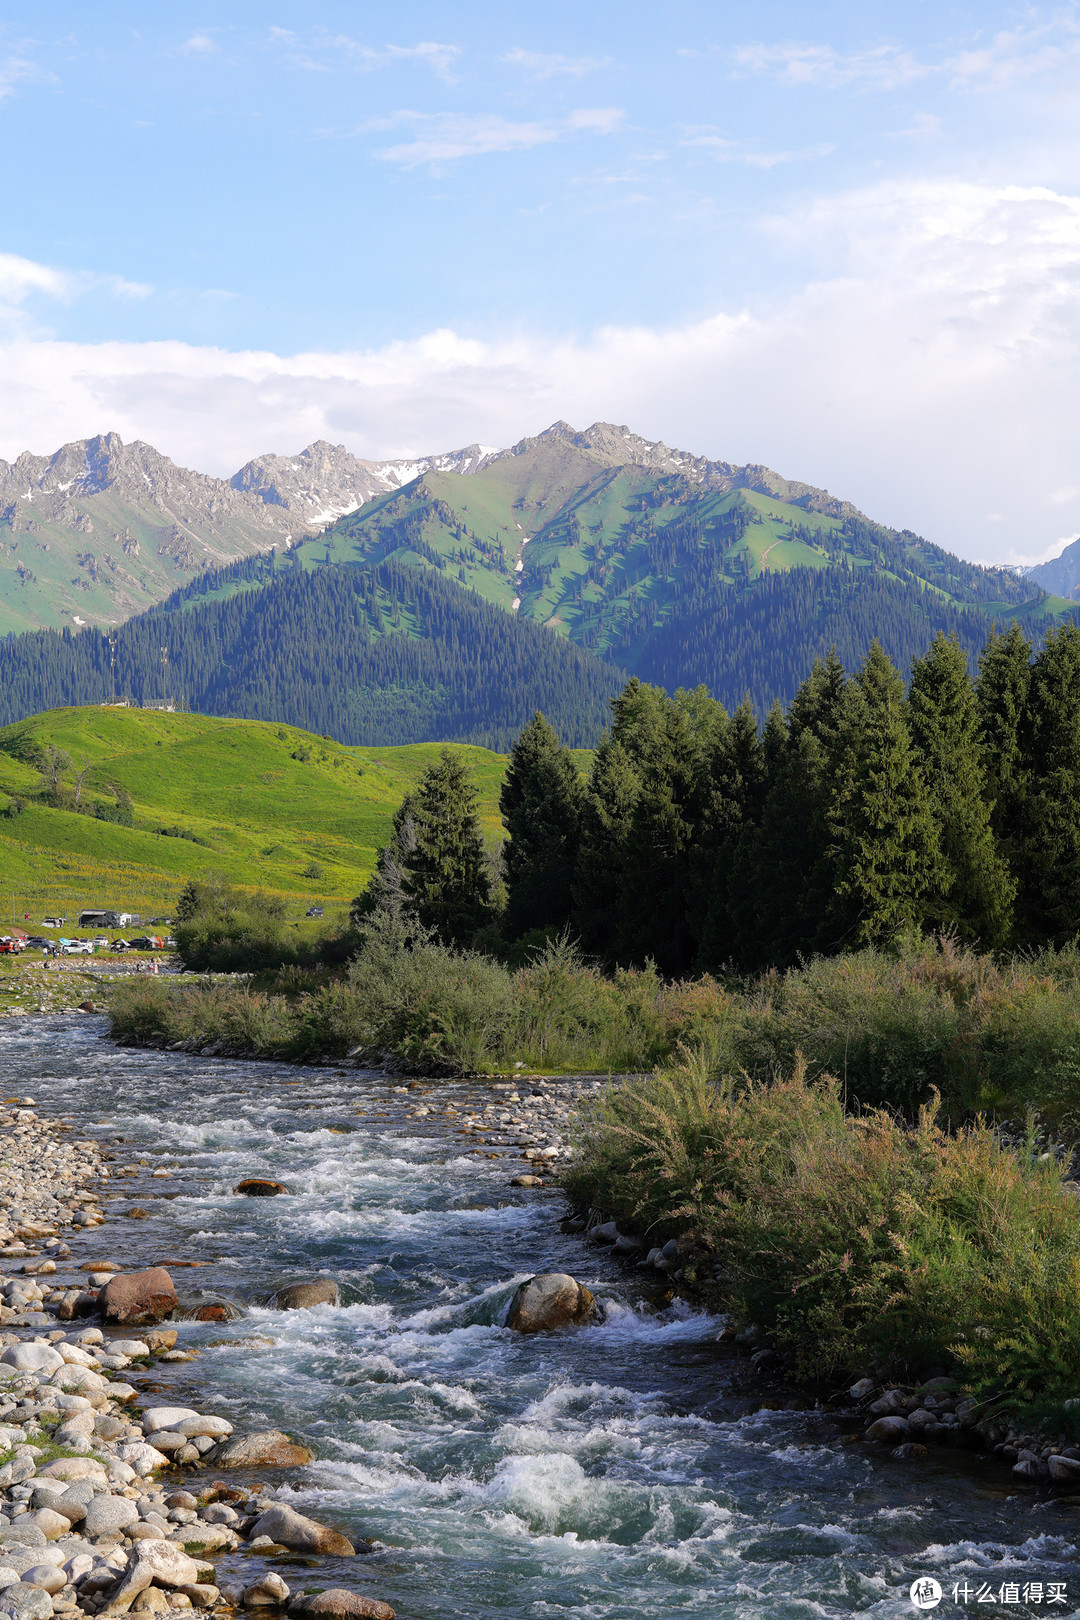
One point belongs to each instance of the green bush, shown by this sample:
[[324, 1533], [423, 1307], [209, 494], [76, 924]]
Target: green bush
[[853, 1241]]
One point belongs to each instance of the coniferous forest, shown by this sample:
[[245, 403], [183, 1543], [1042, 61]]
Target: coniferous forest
[[703, 839], [380, 655]]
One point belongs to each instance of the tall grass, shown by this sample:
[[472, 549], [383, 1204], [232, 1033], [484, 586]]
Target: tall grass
[[408, 1000], [854, 1241]]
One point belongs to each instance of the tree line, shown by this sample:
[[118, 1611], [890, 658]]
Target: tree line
[[702, 839]]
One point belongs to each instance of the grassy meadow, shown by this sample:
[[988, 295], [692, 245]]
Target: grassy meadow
[[273, 807]]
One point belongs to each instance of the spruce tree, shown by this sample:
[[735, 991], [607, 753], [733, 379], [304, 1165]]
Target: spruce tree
[[435, 867], [888, 853], [1048, 905], [791, 868], [943, 719], [613, 791], [657, 854], [541, 802], [735, 780], [1001, 695]]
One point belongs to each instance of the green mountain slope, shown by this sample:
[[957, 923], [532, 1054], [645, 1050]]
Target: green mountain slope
[[389, 654], [267, 803], [493, 583]]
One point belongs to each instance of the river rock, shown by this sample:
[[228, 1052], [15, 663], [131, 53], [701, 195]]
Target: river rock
[[161, 1561], [47, 1577], [552, 1300], [8, 1576], [166, 1417], [32, 1357], [300, 1296], [269, 1591], [267, 1449], [339, 1604], [1063, 1468], [888, 1428], [106, 1515], [135, 1297], [256, 1187], [52, 1525], [291, 1529], [73, 1468], [22, 1602]]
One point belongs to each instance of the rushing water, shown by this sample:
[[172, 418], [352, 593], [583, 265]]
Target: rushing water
[[618, 1472]]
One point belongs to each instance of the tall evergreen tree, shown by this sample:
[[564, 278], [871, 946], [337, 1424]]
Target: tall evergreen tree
[[735, 780], [613, 791], [943, 719], [791, 867], [541, 802], [1048, 904], [435, 867], [1001, 695], [657, 857], [888, 853]]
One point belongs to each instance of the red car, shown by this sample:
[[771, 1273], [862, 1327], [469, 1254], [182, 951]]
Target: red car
[[10, 947]]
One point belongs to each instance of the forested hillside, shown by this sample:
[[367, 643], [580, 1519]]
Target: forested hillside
[[367, 655], [537, 577]]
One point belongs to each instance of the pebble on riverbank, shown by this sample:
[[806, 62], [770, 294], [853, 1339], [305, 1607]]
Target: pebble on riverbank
[[85, 1527]]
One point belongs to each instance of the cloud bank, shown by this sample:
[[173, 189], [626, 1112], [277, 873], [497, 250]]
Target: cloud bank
[[927, 372]]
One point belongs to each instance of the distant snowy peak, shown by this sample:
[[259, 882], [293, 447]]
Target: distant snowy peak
[[326, 481]]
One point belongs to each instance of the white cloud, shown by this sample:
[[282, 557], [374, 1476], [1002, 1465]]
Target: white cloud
[[17, 67], [323, 51], [726, 150], [445, 137], [540, 65], [878, 67], [200, 45], [1046, 50], [930, 373], [1019, 559]]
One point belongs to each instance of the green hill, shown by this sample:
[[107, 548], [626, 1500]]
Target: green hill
[[267, 803]]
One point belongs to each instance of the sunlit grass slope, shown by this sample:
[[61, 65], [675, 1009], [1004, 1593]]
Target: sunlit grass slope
[[270, 804]]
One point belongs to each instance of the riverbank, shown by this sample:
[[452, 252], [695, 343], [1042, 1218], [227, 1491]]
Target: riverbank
[[85, 1523], [936, 1273]]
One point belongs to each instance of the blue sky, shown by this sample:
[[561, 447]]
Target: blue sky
[[840, 239]]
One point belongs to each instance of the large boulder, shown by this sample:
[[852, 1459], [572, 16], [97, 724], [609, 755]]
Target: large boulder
[[552, 1300], [137, 1297], [256, 1187], [300, 1296], [32, 1357], [291, 1529], [162, 1562], [267, 1449], [108, 1515], [24, 1602], [339, 1604]]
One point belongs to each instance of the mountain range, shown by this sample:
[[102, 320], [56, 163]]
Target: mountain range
[[449, 596], [102, 529]]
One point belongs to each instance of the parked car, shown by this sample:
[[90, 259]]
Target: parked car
[[120, 945], [313, 911], [53, 922], [101, 940], [10, 947], [76, 947], [38, 942]]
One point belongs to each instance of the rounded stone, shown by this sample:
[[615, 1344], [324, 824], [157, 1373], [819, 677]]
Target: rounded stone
[[136, 1297], [47, 1576], [32, 1357], [552, 1300], [106, 1515], [301, 1296], [267, 1449], [341, 1604], [257, 1187]]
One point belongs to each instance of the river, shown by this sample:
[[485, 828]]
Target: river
[[624, 1471]]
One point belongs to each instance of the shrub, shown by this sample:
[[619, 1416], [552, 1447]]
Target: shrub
[[852, 1240]]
